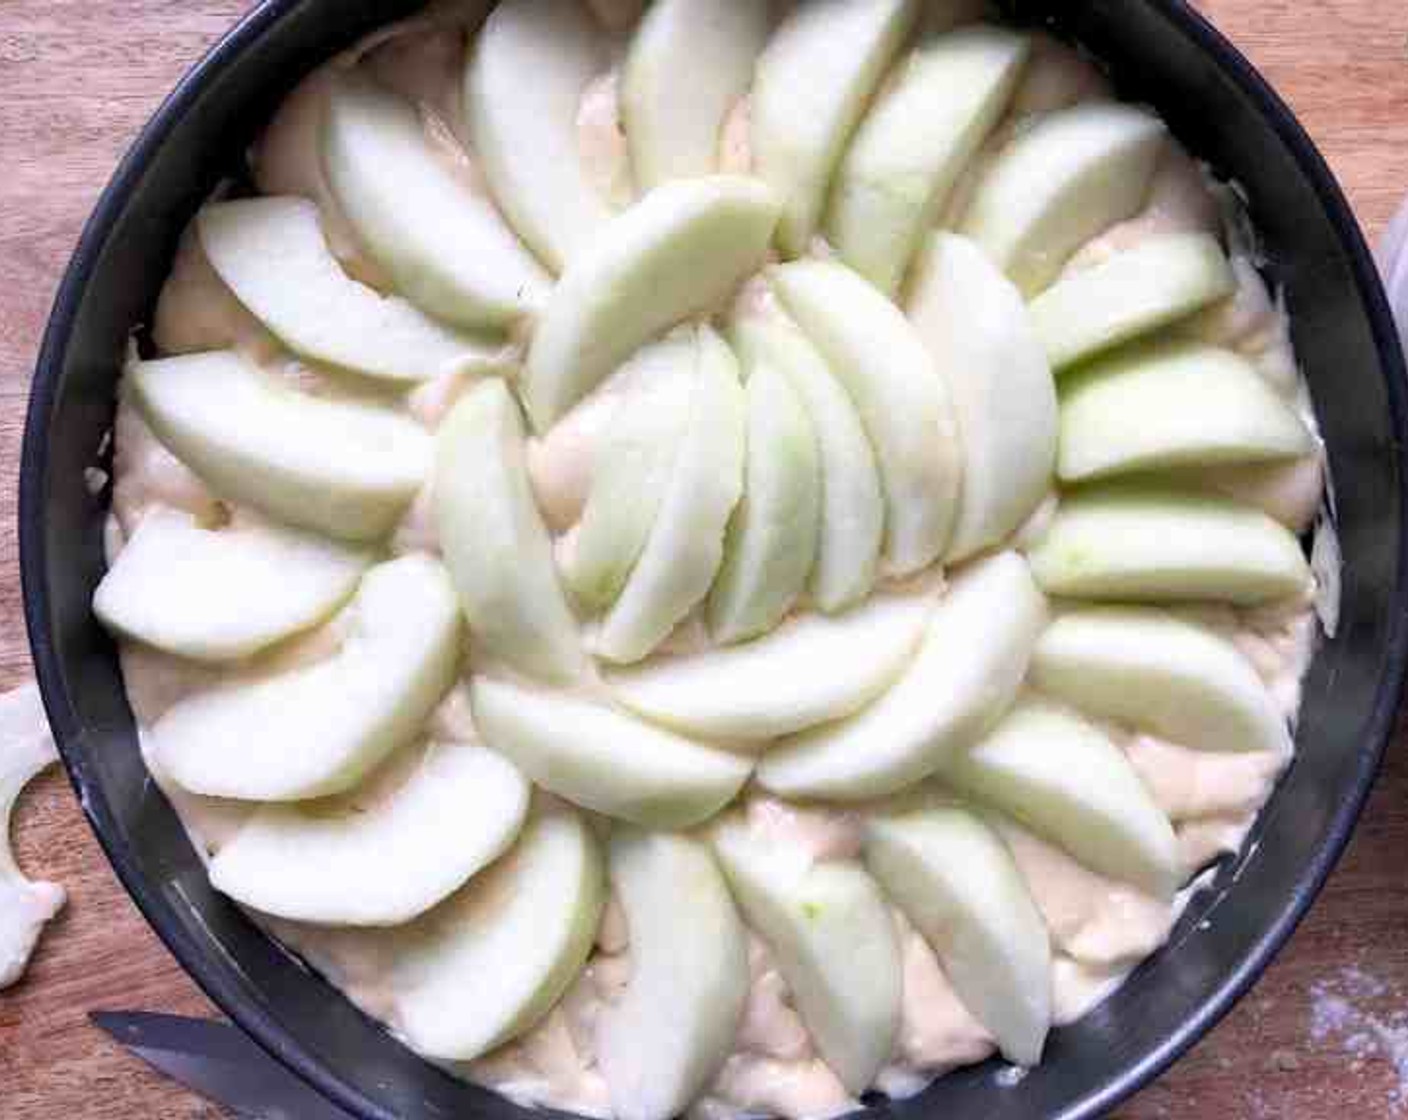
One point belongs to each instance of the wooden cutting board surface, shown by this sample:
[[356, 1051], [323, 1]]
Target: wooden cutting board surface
[[1323, 1036]]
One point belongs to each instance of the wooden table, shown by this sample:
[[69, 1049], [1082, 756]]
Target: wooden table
[[1318, 1038]]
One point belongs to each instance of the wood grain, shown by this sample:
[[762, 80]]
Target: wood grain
[[78, 78]]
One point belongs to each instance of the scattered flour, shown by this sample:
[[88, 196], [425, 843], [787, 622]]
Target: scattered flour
[[1339, 1016]]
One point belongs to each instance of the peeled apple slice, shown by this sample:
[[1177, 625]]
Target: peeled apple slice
[[1151, 670], [488, 964], [222, 595], [662, 1043], [341, 468], [319, 730], [1073, 174], [353, 863], [956, 882], [902, 400], [606, 760], [1161, 545], [970, 664]]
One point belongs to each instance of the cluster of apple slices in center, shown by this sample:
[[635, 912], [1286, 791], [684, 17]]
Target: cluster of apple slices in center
[[794, 564]]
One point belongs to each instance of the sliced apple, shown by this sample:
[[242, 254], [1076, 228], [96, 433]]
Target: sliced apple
[[445, 248], [675, 254], [320, 729], [349, 863], [664, 1041], [812, 84], [1071, 175], [494, 541], [1151, 670], [484, 967], [1062, 777], [342, 468], [606, 760], [970, 664], [689, 61], [976, 328], [834, 940], [914, 143], [957, 883], [803, 673], [1111, 542], [686, 543], [902, 400]]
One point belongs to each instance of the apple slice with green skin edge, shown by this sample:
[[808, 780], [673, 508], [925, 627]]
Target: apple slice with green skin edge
[[662, 1043], [346, 864], [1196, 405], [1061, 776], [912, 146], [525, 132], [320, 729], [489, 963], [834, 941], [445, 249], [686, 544], [494, 541], [969, 667], [976, 328], [345, 469], [689, 61], [1149, 669], [222, 595], [1131, 294], [801, 674], [675, 254], [605, 760], [902, 401], [771, 541], [272, 255], [852, 513], [1151, 545], [1074, 173], [957, 883]]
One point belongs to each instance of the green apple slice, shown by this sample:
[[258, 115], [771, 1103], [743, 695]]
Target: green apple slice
[[1113, 542], [912, 146], [494, 541], [834, 940], [341, 468], [803, 673], [686, 543], [347, 863], [970, 664], [668, 1035], [272, 254], [320, 729], [524, 130], [976, 328], [957, 883], [772, 536], [1071, 175], [445, 248], [812, 85], [852, 514], [1134, 292], [220, 596], [675, 254], [902, 400], [1065, 780], [1195, 405], [484, 967], [606, 760], [1151, 670], [689, 61]]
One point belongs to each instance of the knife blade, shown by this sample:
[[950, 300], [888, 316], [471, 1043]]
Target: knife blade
[[220, 1062]]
